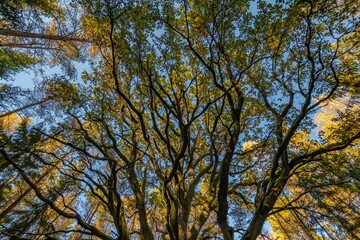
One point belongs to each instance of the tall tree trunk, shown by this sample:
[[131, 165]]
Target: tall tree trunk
[[33, 220], [25, 107], [226, 229], [4, 212], [265, 206], [7, 182], [222, 201], [223, 209], [208, 207], [88, 218], [15, 33], [172, 225], [146, 233]]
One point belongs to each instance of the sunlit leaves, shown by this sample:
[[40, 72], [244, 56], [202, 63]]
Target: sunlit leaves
[[200, 119]]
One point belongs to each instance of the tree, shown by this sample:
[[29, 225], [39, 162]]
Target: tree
[[197, 121], [32, 32]]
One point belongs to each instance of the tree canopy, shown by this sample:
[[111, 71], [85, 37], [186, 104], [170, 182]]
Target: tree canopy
[[218, 119]]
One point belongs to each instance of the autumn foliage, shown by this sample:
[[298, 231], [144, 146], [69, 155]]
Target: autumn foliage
[[192, 119]]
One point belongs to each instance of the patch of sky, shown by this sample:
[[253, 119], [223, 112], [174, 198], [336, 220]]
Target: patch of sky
[[30, 78], [254, 5]]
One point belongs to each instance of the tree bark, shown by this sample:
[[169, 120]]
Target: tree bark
[[222, 199], [25, 107], [15, 33], [23, 195], [140, 205], [7, 182], [265, 206]]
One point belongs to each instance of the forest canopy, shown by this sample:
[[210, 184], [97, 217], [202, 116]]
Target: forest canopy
[[193, 119]]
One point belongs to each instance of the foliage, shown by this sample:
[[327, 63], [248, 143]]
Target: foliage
[[197, 120]]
